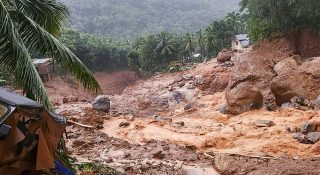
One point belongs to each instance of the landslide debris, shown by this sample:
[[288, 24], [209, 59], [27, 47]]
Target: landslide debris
[[174, 119]]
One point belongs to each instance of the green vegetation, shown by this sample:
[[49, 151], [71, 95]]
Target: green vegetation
[[97, 53], [129, 19], [267, 18], [95, 168], [153, 52]]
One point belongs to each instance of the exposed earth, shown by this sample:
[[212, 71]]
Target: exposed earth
[[254, 114]]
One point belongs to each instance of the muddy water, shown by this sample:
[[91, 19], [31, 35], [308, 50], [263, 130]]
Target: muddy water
[[214, 133]]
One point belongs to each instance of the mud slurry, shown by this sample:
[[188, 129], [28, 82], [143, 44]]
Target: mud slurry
[[133, 149], [151, 157]]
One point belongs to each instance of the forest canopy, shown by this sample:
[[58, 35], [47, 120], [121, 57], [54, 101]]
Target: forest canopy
[[267, 18], [128, 19]]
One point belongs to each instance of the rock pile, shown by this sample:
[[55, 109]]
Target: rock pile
[[277, 72], [309, 133], [302, 82]]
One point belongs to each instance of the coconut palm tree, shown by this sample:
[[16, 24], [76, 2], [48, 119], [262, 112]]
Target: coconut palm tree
[[201, 42], [165, 46], [188, 44], [30, 26]]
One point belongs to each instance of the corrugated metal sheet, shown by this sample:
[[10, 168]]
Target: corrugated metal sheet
[[243, 39]]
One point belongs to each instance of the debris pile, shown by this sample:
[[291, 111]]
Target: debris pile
[[261, 103]]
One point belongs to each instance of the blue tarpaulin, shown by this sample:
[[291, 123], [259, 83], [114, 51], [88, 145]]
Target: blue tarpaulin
[[61, 169]]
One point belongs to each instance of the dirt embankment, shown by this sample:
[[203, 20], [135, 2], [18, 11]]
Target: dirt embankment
[[111, 83], [172, 123]]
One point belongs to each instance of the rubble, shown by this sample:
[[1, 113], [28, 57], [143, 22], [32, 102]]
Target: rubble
[[216, 115]]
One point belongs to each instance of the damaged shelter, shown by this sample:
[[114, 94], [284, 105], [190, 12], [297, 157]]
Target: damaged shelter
[[29, 135], [240, 42]]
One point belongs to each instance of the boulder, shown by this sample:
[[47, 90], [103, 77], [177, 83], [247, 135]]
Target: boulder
[[101, 103], [224, 55], [243, 97], [313, 137], [300, 137], [302, 82], [310, 138], [286, 65], [307, 127]]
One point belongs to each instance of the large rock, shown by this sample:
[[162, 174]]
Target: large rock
[[101, 103], [303, 82], [215, 80], [224, 55], [257, 66], [219, 83], [287, 65], [243, 97]]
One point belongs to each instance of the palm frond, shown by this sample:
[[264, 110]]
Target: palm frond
[[49, 14], [39, 39], [16, 59], [160, 47]]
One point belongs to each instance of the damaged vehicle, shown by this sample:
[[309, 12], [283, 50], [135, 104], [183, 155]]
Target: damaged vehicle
[[29, 135]]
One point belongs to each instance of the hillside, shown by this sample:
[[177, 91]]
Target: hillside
[[127, 19]]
